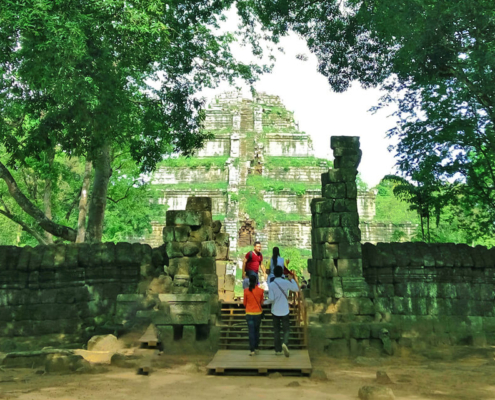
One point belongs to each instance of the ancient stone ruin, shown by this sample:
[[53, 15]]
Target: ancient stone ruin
[[381, 298], [261, 174]]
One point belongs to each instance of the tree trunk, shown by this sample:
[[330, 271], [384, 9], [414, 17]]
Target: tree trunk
[[28, 207], [47, 196], [98, 201], [83, 204]]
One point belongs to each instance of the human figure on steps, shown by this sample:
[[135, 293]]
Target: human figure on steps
[[253, 302], [278, 297]]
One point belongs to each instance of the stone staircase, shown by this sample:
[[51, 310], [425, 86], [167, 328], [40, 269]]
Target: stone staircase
[[234, 329]]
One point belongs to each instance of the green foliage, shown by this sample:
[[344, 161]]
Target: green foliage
[[433, 59], [194, 162], [252, 203], [132, 202], [274, 185]]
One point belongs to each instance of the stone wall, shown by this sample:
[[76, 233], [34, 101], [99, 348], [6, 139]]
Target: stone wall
[[177, 199], [287, 144], [289, 234], [174, 175], [63, 294], [375, 232], [218, 146], [311, 175], [369, 300]]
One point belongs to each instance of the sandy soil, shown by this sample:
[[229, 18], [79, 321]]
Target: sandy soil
[[471, 376]]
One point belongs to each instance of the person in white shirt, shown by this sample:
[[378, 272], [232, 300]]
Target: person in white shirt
[[278, 297]]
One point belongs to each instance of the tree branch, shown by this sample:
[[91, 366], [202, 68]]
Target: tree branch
[[29, 208], [25, 228], [122, 198]]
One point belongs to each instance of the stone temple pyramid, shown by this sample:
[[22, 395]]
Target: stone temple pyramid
[[261, 173]]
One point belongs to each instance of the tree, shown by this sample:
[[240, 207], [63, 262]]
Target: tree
[[132, 200], [434, 58], [424, 197], [92, 78]]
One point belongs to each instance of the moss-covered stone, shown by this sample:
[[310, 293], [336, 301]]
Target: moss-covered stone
[[191, 249], [208, 249], [173, 249]]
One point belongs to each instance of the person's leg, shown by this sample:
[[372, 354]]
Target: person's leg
[[286, 328], [276, 334], [257, 331], [252, 332]]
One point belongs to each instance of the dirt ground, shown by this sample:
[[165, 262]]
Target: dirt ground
[[468, 376]]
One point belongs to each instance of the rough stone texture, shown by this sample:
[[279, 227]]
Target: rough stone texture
[[69, 290], [376, 393]]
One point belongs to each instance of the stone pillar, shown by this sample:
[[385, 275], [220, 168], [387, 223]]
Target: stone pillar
[[236, 121], [336, 267], [234, 145], [258, 119]]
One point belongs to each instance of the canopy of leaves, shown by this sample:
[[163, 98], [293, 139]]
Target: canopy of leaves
[[79, 74], [434, 58]]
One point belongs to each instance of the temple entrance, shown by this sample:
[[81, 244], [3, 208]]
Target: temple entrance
[[246, 233]]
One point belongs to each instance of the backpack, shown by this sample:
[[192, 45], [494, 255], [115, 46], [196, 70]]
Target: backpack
[[251, 254]]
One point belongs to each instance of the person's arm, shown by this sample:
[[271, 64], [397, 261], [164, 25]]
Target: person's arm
[[244, 268], [293, 284], [245, 298]]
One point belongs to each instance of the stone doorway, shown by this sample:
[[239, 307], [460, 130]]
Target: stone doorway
[[246, 234]]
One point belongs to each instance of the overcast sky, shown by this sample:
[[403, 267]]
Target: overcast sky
[[322, 112]]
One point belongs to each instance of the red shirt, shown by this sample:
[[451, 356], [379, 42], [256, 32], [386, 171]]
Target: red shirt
[[254, 264]]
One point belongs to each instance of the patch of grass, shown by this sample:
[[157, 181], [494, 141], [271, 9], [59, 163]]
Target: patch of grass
[[194, 162], [252, 203], [260, 182], [219, 217]]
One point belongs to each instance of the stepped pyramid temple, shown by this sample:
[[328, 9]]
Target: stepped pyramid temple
[[261, 173]]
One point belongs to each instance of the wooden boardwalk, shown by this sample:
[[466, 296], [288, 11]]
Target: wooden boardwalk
[[239, 360]]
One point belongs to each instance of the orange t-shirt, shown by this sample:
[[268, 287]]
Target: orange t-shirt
[[253, 300]]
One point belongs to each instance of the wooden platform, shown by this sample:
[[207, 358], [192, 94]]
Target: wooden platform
[[239, 360]]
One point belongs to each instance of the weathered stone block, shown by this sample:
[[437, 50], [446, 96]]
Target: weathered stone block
[[191, 249], [348, 142], [208, 249], [168, 234], [349, 219], [360, 331], [198, 204], [202, 266], [222, 238], [330, 250], [180, 266], [350, 267], [222, 252], [330, 235], [349, 161], [334, 191], [205, 284], [350, 190], [326, 268], [337, 288], [349, 250], [48, 261], [351, 233], [182, 233], [188, 308], [173, 249], [191, 218], [339, 205], [326, 220], [201, 234]]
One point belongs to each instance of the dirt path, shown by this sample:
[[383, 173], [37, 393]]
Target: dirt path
[[185, 378]]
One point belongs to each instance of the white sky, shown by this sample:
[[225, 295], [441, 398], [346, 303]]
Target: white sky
[[321, 112]]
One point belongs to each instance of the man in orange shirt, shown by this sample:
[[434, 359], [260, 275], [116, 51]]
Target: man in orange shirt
[[253, 301]]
